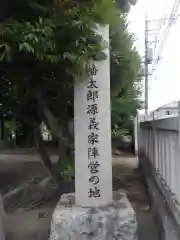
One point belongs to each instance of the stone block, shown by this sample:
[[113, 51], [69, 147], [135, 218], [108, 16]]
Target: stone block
[[116, 221]]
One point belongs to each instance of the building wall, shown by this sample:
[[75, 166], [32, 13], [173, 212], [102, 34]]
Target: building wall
[[165, 112]]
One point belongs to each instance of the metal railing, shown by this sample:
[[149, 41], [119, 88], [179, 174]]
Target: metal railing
[[159, 140]]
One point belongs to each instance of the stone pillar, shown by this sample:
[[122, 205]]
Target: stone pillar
[[92, 212], [93, 165]]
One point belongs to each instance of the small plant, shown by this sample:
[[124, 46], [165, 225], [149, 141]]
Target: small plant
[[66, 169]]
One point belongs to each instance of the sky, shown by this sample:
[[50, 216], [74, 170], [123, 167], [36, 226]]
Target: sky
[[164, 84]]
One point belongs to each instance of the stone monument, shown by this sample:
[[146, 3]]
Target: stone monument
[[93, 212], [93, 161]]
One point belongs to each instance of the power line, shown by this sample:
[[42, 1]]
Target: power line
[[173, 13], [146, 67], [148, 60], [161, 24], [173, 16]]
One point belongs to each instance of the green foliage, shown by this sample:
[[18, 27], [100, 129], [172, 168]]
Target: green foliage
[[66, 169], [125, 60], [28, 38], [123, 109], [125, 5], [45, 45], [10, 126], [125, 76]]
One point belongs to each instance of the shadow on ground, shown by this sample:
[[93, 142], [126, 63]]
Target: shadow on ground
[[127, 175]]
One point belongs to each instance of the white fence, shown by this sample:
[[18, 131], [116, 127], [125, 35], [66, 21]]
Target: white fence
[[159, 140]]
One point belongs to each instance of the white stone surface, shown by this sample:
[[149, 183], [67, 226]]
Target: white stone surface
[[81, 121], [116, 221]]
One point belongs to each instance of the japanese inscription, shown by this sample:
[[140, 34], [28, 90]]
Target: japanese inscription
[[93, 167], [94, 192], [92, 95], [93, 133], [93, 124], [92, 109], [93, 152]]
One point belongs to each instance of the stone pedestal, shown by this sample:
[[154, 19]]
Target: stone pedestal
[[116, 221]]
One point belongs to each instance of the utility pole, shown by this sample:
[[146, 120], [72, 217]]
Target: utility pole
[[146, 62], [147, 58]]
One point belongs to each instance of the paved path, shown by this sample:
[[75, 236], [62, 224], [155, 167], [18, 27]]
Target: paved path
[[16, 168], [128, 176]]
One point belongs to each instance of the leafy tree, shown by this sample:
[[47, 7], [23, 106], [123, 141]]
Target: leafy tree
[[124, 108], [125, 5], [44, 47], [125, 76]]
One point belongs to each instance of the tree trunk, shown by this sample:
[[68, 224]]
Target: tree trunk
[[63, 141], [62, 152], [43, 152], [50, 120]]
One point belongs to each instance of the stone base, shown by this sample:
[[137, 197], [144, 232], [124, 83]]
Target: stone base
[[113, 222]]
